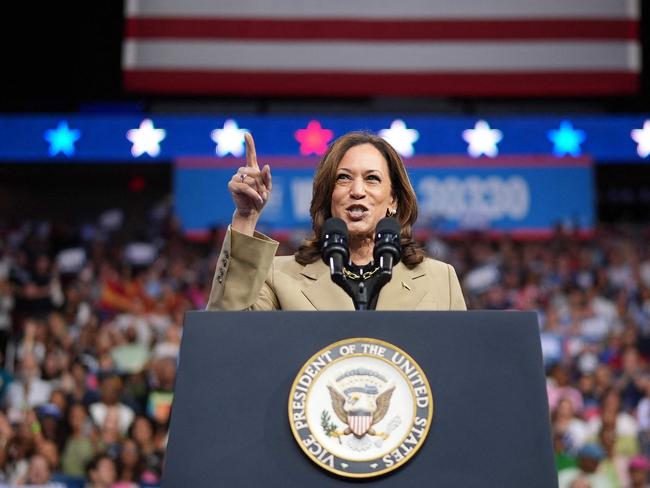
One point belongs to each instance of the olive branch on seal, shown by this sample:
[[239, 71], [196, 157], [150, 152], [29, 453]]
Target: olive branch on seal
[[328, 426]]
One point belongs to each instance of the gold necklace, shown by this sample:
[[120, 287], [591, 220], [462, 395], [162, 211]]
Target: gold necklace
[[353, 276]]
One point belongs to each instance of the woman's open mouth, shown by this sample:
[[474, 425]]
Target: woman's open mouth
[[356, 212]]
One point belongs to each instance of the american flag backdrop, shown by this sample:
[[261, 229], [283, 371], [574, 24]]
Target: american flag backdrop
[[383, 47]]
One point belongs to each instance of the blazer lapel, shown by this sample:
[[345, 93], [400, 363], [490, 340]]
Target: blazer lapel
[[321, 291], [404, 291]]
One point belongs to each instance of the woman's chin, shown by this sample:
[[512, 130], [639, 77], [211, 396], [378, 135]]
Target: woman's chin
[[359, 229]]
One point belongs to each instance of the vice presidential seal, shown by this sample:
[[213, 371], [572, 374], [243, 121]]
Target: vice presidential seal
[[360, 407]]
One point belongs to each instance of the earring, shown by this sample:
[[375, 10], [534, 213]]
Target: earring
[[391, 213]]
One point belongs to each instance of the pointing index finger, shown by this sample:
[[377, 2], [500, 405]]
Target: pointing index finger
[[251, 156]]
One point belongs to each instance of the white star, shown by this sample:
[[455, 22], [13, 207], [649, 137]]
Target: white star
[[400, 137], [482, 140], [642, 138], [146, 139], [230, 139]]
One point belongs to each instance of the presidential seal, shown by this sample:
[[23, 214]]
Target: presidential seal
[[360, 407]]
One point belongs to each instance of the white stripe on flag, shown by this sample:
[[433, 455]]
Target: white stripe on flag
[[403, 57]]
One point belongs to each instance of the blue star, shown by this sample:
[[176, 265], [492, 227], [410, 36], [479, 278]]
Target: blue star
[[62, 139], [566, 140]]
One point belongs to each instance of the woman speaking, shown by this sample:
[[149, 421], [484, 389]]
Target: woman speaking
[[361, 179]]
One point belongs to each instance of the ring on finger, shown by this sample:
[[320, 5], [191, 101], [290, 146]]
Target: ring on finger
[[242, 177]]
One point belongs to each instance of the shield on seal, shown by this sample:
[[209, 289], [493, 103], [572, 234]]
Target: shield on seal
[[359, 422]]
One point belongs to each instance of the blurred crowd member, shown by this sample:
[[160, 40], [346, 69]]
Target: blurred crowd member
[[631, 381], [39, 474], [82, 442], [623, 424], [101, 472], [614, 465], [6, 303], [559, 387], [5, 378], [639, 467], [36, 284], [586, 473], [28, 390], [142, 432], [161, 395], [6, 436], [567, 423], [109, 409], [643, 417], [130, 464], [563, 459]]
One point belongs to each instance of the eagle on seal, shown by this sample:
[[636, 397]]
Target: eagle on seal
[[361, 399]]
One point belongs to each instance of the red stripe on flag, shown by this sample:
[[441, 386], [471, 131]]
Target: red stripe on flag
[[228, 28], [363, 84]]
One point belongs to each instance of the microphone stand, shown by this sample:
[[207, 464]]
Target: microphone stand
[[336, 272], [360, 295], [361, 300], [364, 294]]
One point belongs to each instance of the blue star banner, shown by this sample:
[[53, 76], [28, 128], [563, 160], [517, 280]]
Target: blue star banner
[[164, 138]]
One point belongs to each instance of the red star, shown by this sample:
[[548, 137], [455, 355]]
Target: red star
[[313, 139]]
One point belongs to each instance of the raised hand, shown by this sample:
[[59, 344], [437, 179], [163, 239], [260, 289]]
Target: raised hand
[[250, 188]]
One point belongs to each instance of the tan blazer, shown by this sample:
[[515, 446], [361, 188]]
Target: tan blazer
[[250, 277]]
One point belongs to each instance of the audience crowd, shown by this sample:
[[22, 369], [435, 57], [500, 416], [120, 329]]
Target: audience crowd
[[91, 320]]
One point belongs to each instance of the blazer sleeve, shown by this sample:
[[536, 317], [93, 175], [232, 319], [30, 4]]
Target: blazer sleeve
[[243, 279], [456, 299]]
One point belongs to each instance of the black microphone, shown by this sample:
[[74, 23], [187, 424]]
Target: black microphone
[[334, 249], [388, 249]]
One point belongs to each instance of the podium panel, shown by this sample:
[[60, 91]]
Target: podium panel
[[490, 427]]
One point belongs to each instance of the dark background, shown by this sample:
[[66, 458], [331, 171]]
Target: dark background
[[67, 58]]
